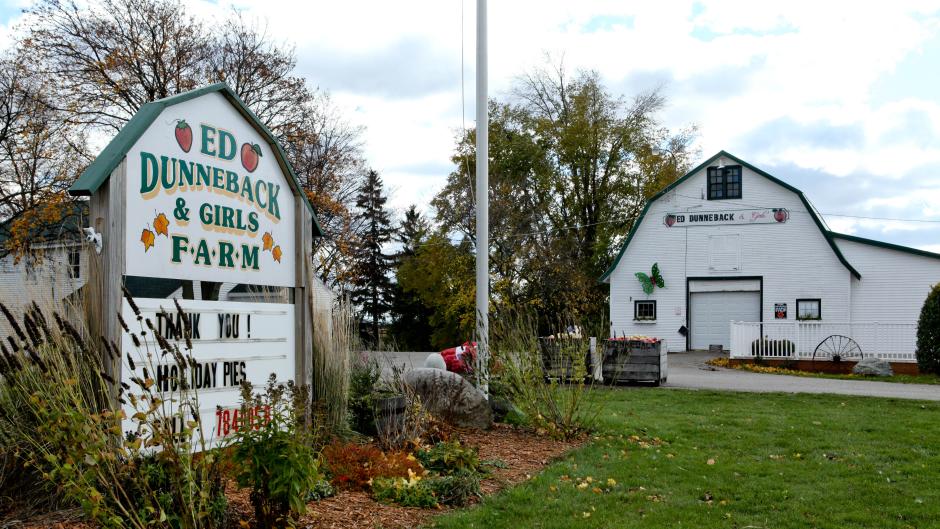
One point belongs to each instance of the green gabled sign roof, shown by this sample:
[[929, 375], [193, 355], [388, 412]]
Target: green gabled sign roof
[[828, 235], [100, 169]]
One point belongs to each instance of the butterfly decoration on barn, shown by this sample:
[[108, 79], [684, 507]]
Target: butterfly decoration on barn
[[649, 282]]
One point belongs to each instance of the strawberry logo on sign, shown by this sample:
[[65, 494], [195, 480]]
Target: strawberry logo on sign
[[184, 135], [781, 215], [670, 220]]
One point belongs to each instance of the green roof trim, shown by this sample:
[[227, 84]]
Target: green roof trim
[[886, 245], [100, 169], [828, 235]]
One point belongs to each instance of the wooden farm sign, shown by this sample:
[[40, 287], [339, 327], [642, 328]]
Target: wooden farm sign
[[206, 199], [195, 189]]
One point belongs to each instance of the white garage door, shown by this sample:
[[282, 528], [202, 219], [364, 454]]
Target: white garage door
[[712, 312]]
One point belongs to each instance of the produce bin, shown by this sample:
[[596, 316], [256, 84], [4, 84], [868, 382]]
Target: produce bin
[[634, 359]]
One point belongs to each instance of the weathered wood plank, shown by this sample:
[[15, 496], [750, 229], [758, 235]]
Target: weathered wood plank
[[108, 211], [632, 369]]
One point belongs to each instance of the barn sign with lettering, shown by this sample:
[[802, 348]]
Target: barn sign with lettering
[[717, 218]]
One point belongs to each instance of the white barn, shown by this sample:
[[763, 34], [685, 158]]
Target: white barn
[[735, 244]]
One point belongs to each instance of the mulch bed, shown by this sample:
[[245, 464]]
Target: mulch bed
[[523, 452]]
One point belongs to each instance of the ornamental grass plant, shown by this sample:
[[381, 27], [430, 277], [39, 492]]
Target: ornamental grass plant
[[334, 334], [558, 406], [127, 454]]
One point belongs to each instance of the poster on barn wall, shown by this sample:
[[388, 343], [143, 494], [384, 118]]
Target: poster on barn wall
[[207, 200], [231, 343]]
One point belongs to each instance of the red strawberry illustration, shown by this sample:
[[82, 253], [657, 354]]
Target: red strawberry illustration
[[670, 220], [780, 215], [251, 152], [184, 135]]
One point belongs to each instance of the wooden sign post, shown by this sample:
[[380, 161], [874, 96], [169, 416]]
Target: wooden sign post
[[194, 188]]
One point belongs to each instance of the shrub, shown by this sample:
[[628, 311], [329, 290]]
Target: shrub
[[552, 406], [412, 491], [456, 489], [401, 418], [353, 466], [362, 385], [272, 453], [928, 333], [321, 490], [448, 458], [768, 347]]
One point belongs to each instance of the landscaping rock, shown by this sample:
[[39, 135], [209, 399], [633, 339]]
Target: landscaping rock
[[873, 367], [450, 398], [435, 361]]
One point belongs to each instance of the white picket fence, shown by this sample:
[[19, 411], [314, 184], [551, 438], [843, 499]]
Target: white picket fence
[[895, 342]]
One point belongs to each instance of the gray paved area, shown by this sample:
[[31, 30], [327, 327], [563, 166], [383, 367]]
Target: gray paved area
[[688, 370]]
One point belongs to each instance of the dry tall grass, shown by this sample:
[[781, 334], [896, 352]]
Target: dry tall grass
[[333, 333]]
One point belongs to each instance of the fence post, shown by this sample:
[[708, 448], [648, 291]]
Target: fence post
[[877, 342], [595, 359], [797, 342]]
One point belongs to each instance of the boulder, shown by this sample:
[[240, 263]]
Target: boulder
[[450, 398], [435, 361], [873, 367]]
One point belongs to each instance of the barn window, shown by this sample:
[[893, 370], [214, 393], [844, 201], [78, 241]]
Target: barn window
[[644, 310], [75, 262], [724, 182], [809, 309]]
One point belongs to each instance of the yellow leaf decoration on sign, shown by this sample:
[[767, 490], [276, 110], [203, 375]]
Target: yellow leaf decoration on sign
[[147, 237], [267, 240], [277, 253], [160, 224]]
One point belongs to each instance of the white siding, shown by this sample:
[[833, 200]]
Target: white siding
[[894, 283], [47, 281], [794, 258]]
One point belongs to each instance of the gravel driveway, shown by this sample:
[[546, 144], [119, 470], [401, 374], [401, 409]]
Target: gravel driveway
[[688, 370]]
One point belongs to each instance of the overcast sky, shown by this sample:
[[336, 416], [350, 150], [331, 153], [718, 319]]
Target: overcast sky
[[840, 99]]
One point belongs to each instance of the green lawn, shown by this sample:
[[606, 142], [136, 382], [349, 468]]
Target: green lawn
[[778, 461]]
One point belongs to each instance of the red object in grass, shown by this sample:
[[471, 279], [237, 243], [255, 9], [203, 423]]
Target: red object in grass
[[460, 359]]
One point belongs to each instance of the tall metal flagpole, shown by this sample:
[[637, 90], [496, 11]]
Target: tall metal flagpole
[[483, 203]]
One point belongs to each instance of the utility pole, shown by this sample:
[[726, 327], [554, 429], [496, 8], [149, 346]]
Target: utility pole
[[483, 203]]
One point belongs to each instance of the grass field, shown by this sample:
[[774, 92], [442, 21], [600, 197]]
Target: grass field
[[697, 459]]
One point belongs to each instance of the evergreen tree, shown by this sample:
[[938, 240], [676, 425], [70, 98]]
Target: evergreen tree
[[372, 286], [411, 232], [411, 326]]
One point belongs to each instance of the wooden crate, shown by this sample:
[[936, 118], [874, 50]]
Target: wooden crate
[[634, 361], [559, 354]]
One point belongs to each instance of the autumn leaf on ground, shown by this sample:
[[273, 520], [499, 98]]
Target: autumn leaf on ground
[[160, 224], [267, 240], [147, 238], [277, 253]]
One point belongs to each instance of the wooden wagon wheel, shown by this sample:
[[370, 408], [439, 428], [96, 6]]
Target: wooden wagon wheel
[[837, 347]]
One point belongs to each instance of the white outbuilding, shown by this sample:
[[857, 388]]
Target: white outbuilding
[[733, 243]]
